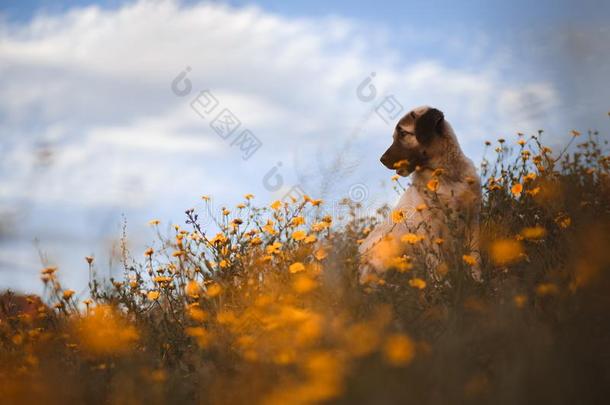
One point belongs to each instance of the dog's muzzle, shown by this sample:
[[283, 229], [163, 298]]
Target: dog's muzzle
[[392, 156], [401, 160]]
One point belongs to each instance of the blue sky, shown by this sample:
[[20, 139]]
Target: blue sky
[[91, 132]]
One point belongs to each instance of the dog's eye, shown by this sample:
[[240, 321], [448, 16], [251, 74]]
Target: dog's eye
[[402, 133]]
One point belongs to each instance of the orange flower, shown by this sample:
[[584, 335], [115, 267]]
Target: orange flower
[[398, 216], [399, 350], [296, 221], [296, 267], [536, 232], [469, 260], [432, 185], [320, 254], [153, 295], [547, 289], [213, 290], [192, 289], [417, 283], [273, 248], [520, 300], [311, 239], [68, 294], [411, 238], [506, 251], [299, 235], [516, 189]]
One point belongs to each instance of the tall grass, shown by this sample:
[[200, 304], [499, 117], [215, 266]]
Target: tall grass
[[269, 310]]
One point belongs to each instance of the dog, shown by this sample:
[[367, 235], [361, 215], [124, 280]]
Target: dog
[[445, 189]]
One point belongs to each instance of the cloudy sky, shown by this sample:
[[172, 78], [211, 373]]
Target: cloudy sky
[[97, 124]]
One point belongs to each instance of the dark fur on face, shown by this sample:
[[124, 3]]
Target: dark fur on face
[[416, 131]]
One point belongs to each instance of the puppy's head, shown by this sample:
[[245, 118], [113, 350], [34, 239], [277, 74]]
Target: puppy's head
[[414, 139]]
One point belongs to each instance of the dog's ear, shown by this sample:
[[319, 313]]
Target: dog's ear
[[428, 125]]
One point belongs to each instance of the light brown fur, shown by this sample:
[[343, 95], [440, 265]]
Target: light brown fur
[[429, 145]]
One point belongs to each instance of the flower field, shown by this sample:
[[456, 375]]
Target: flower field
[[267, 307]]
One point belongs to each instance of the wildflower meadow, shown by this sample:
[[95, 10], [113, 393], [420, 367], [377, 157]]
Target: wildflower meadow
[[265, 305]]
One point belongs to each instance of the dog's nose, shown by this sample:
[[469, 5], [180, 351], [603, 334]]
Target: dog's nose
[[384, 159]]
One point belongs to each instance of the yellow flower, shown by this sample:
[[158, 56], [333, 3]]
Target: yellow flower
[[411, 238], [439, 241], [192, 289], [255, 241], [225, 212], [299, 235], [296, 267], [249, 196], [401, 264], [469, 260], [315, 203], [547, 289], [421, 207], [575, 133], [311, 239], [398, 216], [563, 221], [105, 332], [401, 164], [417, 283], [395, 177], [148, 252], [273, 248], [304, 284], [520, 300], [529, 177], [153, 295], [296, 221], [536, 232], [319, 226], [516, 189], [533, 191], [506, 251], [205, 197], [276, 205], [399, 350], [320, 254], [213, 290], [178, 253], [154, 222], [201, 335], [268, 227], [49, 270], [432, 185], [68, 294], [521, 142], [219, 238]]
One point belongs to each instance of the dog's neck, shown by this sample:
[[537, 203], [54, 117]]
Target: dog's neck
[[450, 159]]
